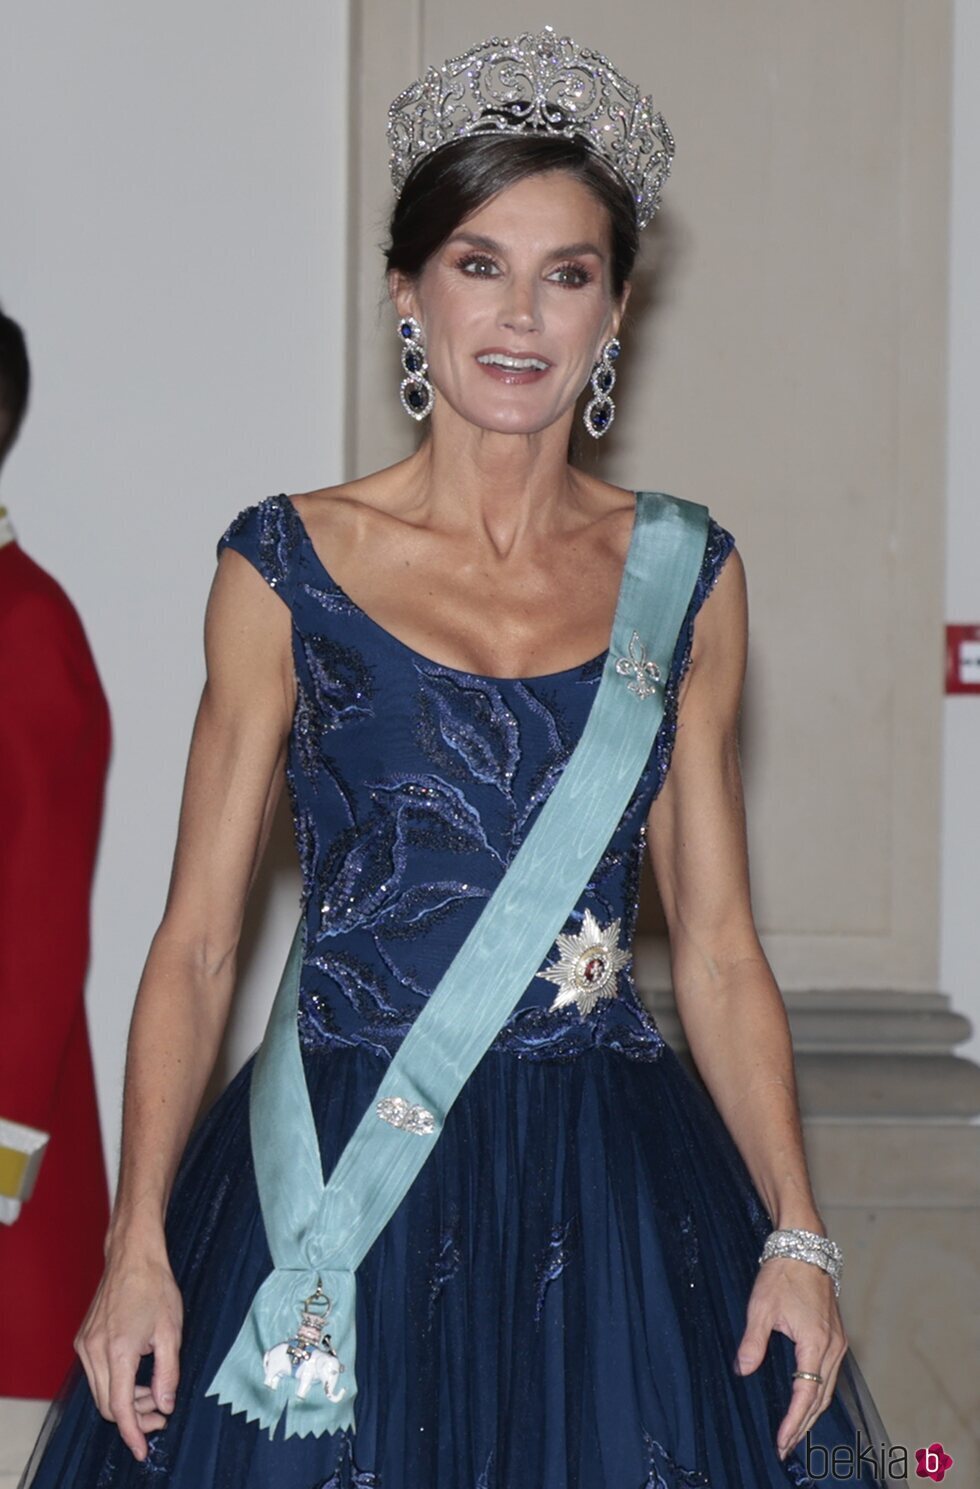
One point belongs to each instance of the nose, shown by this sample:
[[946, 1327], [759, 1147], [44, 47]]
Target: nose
[[520, 310]]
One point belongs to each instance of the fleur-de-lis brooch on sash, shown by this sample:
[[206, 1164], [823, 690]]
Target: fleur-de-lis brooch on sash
[[645, 672]]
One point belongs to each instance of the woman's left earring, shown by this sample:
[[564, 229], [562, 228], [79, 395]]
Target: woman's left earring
[[600, 411], [416, 391]]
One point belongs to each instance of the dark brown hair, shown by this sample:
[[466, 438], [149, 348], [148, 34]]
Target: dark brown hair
[[450, 184], [15, 382]]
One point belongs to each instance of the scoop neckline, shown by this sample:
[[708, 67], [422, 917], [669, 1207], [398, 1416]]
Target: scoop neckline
[[419, 656]]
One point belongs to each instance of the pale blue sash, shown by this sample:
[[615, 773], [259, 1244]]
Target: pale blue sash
[[320, 1233]]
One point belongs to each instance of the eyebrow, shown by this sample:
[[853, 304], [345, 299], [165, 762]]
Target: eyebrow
[[567, 250]]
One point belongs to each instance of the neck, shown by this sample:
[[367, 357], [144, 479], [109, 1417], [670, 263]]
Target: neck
[[501, 487]]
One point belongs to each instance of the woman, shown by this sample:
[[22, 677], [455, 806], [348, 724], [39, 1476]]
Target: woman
[[570, 1291]]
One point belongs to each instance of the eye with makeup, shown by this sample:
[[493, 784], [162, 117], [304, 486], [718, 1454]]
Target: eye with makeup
[[478, 265], [573, 275]]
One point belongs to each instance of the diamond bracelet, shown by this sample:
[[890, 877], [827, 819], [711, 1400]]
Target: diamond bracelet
[[806, 1246]]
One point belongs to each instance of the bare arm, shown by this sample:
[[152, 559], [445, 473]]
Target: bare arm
[[729, 1004], [232, 783], [727, 999]]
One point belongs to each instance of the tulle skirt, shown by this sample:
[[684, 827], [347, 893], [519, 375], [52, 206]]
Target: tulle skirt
[[557, 1303]]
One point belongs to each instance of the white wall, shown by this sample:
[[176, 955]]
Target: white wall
[[173, 196], [960, 947]]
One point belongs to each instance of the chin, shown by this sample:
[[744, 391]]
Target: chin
[[526, 427], [513, 420]]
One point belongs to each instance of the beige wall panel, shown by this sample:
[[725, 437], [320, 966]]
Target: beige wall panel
[[783, 364]]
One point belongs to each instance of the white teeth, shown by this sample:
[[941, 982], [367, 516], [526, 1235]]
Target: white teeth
[[513, 364]]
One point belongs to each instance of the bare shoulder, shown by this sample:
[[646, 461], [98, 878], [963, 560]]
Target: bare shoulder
[[719, 644], [347, 510], [608, 511], [726, 606], [247, 640]]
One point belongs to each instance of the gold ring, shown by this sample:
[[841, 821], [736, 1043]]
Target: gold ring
[[807, 1375]]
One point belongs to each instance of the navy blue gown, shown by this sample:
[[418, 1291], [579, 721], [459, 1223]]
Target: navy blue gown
[[559, 1299]]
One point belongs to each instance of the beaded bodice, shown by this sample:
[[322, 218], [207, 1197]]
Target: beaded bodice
[[412, 786]]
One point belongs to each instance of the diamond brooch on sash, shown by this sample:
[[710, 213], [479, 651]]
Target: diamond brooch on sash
[[308, 1356], [636, 661], [400, 1113], [587, 965]]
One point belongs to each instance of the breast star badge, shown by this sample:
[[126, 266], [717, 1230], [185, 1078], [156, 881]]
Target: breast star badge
[[587, 965]]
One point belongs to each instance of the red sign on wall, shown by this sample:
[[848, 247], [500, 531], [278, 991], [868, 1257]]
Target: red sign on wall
[[963, 659]]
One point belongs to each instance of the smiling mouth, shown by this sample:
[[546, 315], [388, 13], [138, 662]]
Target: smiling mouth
[[512, 364]]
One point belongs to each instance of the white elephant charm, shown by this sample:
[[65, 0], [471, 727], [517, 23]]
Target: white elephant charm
[[309, 1357], [315, 1365]]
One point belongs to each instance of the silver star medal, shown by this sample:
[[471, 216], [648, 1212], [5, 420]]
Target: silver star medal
[[587, 965]]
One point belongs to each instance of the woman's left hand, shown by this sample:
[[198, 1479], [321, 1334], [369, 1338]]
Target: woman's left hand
[[797, 1298]]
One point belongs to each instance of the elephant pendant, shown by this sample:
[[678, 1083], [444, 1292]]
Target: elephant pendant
[[308, 1356]]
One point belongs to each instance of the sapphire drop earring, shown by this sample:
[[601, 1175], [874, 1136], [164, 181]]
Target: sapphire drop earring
[[416, 390], [600, 411]]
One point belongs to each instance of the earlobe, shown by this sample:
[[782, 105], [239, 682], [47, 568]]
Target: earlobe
[[612, 334], [401, 293], [621, 309]]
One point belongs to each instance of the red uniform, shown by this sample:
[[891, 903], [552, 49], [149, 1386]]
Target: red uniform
[[54, 750]]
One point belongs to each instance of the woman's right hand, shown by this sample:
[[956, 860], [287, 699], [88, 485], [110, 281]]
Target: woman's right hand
[[136, 1310]]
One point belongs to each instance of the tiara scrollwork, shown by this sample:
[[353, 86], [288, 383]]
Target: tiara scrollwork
[[541, 84]]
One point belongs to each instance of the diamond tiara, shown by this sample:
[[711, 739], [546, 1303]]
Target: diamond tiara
[[535, 84]]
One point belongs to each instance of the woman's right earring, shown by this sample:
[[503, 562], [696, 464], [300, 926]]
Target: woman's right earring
[[600, 411], [416, 391]]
